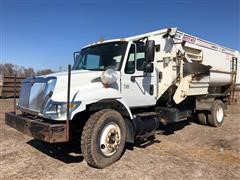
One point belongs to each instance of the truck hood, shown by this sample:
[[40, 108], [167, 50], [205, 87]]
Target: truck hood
[[83, 82], [78, 78]]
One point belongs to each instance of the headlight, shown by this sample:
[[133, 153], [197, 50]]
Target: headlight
[[56, 110]]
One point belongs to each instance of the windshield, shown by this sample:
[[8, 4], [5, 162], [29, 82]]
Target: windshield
[[101, 57]]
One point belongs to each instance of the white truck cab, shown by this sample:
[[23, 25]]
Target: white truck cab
[[122, 89]]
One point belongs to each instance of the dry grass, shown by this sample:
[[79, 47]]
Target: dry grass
[[185, 150]]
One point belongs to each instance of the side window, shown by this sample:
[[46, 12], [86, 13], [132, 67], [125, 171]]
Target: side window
[[140, 61], [140, 56], [130, 66]]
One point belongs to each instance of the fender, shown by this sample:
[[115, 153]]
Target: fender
[[108, 97], [92, 93]]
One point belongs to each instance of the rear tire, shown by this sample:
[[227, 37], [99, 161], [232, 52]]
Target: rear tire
[[202, 118], [103, 138], [216, 117]]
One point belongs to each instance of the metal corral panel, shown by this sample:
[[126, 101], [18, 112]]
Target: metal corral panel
[[1, 84], [7, 86]]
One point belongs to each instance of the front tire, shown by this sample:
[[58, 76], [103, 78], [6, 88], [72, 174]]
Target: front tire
[[216, 117], [103, 138]]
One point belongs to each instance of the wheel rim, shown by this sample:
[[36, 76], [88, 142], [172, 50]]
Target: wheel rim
[[219, 114], [110, 139]]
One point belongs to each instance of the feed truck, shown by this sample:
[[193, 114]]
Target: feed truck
[[122, 89]]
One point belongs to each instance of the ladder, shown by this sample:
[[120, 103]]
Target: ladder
[[232, 88]]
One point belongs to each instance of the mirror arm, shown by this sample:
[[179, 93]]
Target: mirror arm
[[133, 78]]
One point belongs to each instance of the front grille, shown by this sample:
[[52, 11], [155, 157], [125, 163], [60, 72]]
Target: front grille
[[34, 92], [24, 94], [37, 97]]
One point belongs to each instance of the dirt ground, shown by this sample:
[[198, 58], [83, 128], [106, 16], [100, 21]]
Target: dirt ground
[[184, 150]]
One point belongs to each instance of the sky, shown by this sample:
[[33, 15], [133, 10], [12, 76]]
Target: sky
[[44, 33]]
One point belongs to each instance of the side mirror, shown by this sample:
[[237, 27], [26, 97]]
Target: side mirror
[[149, 68], [76, 56], [150, 51]]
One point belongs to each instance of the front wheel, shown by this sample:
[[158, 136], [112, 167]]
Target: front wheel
[[103, 138]]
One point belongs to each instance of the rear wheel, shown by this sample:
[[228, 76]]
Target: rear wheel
[[202, 118], [103, 138], [216, 117]]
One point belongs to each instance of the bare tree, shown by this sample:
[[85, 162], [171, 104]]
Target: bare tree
[[29, 72], [9, 69], [44, 72]]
